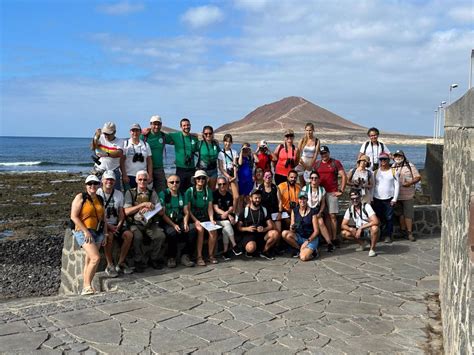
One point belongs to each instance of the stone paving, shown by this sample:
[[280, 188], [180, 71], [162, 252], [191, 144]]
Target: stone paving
[[342, 303]]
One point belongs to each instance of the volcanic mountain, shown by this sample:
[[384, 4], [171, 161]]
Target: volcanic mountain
[[290, 112]]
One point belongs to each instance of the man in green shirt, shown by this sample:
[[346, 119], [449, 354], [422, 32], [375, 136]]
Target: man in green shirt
[[157, 140], [185, 146]]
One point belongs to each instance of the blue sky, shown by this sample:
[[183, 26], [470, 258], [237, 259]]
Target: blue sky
[[68, 66]]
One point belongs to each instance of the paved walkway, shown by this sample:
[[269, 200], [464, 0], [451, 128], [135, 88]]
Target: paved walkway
[[343, 303]]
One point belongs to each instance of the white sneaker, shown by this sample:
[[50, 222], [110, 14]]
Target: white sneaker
[[362, 246], [110, 271], [372, 252]]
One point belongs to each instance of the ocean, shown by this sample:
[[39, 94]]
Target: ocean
[[40, 154]]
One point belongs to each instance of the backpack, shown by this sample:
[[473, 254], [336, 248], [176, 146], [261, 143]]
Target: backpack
[[85, 197], [364, 211], [168, 197], [247, 208], [367, 144], [332, 162], [352, 172]]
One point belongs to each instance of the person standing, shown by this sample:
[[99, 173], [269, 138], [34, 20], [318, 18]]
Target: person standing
[[330, 170], [208, 150], [309, 148], [157, 141], [245, 174], [109, 150], [88, 216], [366, 223], [361, 177], [176, 223], [185, 146], [286, 156], [409, 177], [148, 237], [115, 219], [386, 190], [136, 157], [227, 163], [263, 156], [372, 148]]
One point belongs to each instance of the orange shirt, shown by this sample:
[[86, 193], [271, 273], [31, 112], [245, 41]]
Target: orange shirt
[[91, 213], [288, 194]]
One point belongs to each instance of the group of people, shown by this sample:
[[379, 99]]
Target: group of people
[[261, 202]]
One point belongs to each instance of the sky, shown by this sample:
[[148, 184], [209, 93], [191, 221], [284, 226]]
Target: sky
[[68, 66]]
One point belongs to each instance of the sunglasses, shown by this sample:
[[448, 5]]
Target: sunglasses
[[174, 182], [200, 178], [355, 198], [141, 179], [373, 135], [290, 136], [207, 133], [156, 123], [109, 179], [221, 184], [92, 183], [384, 159], [314, 178], [109, 134]]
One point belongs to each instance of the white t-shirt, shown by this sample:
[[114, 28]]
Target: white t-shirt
[[116, 202], [129, 150], [373, 152], [106, 146], [227, 158], [360, 217], [315, 196], [387, 184]]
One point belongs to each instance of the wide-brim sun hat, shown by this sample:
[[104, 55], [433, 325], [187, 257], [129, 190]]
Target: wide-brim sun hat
[[364, 157], [199, 173]]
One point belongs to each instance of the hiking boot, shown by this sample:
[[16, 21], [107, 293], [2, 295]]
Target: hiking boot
[[331, 248], [372, 253], [186, 261], [267, 255], [295, 253], [236, 250], [171, 263], [226, 256], [388, 239], [411, 237], [124, 269], [110, 271]]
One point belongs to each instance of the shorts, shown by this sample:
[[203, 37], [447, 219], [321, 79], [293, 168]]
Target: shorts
[[211, 173], [332, 203], [258, 238], [405, 208], [313, 245], [80, 238]]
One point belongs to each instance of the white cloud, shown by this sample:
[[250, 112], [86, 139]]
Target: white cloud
[[462, 14], [252, 5], [121, 8], [202, 16]]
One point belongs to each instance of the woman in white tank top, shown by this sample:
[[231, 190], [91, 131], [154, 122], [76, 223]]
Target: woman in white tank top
[[309, 147]]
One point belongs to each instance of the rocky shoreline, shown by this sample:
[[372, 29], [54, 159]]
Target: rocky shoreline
[[35, 208]]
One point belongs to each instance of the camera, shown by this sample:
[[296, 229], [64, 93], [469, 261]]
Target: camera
[[375, 166], [100, 227], [111, 212], [188, 160], [96, 159], [138, 157], [292, 204]]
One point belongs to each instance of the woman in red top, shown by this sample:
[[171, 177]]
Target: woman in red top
[[263, 156], [286, 156]]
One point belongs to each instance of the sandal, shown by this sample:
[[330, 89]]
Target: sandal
[[213, 260], [200, 261], [86, 291]]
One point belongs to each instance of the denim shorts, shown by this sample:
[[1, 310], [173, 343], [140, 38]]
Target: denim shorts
[[80, 238], [313, 245]]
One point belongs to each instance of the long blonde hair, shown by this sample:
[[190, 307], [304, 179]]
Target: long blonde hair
[[304, 140]]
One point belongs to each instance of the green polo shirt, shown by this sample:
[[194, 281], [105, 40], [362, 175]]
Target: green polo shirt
[[184, 146], [174, 207], [199, 201], [157, 145]]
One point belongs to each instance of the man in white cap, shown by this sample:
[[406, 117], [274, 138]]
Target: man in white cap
[[108, 150], [157, 140]]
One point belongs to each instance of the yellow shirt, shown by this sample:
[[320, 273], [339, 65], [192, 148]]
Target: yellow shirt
[[91, 213], [288, 194]]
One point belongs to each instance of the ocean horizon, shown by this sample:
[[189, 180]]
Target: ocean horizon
[[67, 154]]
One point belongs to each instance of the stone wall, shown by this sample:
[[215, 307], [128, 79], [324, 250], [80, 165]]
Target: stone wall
[[455, 266], [433, 171]]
